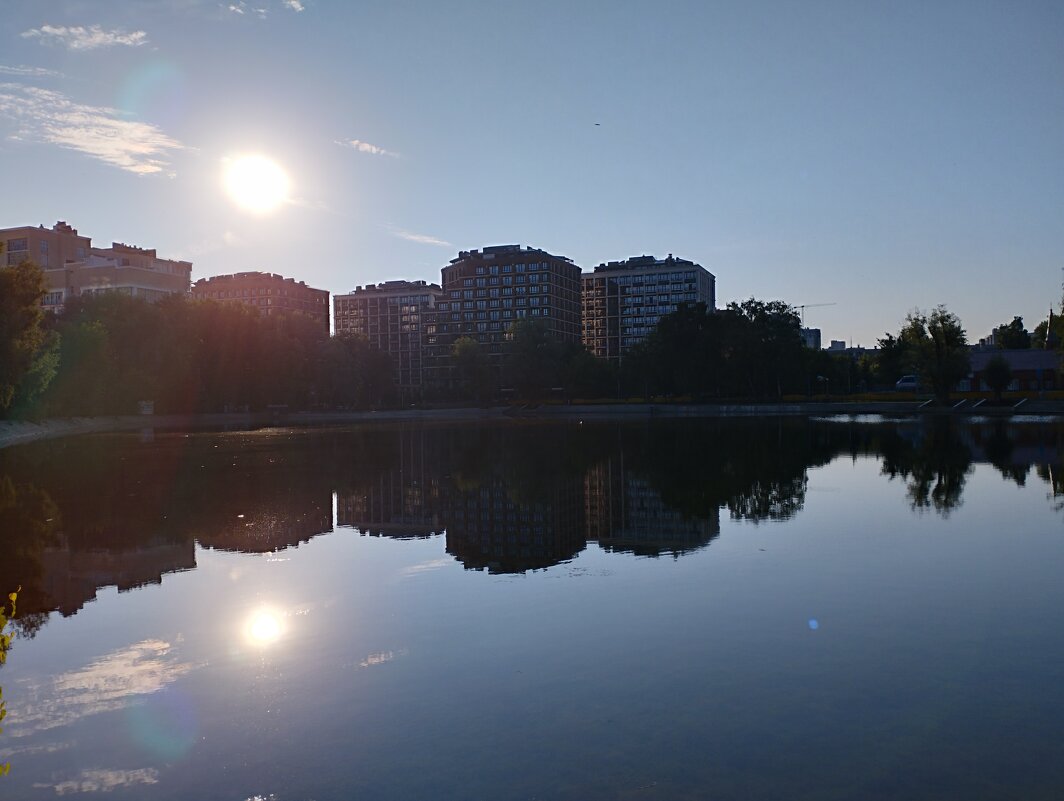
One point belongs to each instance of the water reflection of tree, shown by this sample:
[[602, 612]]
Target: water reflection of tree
[[754, 468], [28, 520], [934, 462]]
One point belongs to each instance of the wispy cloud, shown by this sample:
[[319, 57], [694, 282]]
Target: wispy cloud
[[241, 7], [23, 71], [113, 681], [423, 239], [102, 781], [81, 38], [366, 147], [46, 116], [295, 5]]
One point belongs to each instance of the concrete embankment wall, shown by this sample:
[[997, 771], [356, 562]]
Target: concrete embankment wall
[[17, 432]]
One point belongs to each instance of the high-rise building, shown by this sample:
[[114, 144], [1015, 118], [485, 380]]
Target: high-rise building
[[72, 266], [392, 316], [622, 301], [486, 291], [270, 293]]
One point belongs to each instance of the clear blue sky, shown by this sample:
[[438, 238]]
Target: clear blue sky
[[876, 155]]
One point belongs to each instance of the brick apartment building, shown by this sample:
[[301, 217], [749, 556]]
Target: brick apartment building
[[270, 293], [486, 291]]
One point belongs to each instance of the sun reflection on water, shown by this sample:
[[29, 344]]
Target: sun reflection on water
[[263, 627]]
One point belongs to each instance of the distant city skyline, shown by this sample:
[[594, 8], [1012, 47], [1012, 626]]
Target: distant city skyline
[[877, 157]]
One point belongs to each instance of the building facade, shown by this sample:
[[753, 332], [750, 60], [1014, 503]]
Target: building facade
[[486, 291], [392, 316], [73, 267], [270, 293], [622, 301]]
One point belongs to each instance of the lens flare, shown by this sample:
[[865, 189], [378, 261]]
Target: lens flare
[[256, 183]]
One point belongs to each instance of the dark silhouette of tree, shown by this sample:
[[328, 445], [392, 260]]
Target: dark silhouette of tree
[[938, 349], [472, 368], [27, 351], [998, 376], [1012, 336]]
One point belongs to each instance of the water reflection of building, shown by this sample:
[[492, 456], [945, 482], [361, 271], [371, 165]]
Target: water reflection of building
[[400, 499], [268, 525], [71, 578], [487, 528], [623, 512]]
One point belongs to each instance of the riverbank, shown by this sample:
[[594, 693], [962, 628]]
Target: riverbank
[[18, 432]]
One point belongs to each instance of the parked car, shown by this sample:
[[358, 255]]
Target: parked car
[[907, 383]]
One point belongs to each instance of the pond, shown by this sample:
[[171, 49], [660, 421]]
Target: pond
[[745, 609]]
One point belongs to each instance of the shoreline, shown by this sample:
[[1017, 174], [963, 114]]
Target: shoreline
[[18, 432]]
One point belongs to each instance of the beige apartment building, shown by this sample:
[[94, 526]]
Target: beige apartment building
[[270, 293], [73, 267], [622, 301]]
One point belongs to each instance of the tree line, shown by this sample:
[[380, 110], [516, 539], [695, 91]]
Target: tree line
[[106, 352]]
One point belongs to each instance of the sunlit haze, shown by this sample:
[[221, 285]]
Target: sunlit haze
[[875, 157]]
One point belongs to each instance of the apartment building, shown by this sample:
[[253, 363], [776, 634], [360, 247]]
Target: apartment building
[[622, 301], [392, 316], [73, 267], [270, 293], [486, 291]]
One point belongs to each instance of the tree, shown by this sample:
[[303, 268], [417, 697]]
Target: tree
[[938, 347], [892, 360], [534, 358], [471, 365], [998, 375], [22, 334], [1043, 337], [1012, 336]]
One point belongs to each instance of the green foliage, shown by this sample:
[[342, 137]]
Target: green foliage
[[1012, 336], [5, 646], [751, 349], [354, 374], [893, 360], [537, 364], [22, 335], [937, 347], [189, 356], [1043, 337], [998, 375], [471, 366]]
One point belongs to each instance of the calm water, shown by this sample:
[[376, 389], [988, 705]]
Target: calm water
[[697, 610]]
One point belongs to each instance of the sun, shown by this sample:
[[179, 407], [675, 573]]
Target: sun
[[256, 183]]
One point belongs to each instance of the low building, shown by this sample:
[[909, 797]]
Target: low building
[[73, 267], [392, 316], [1033, 369], [622, 301], [270, 293]]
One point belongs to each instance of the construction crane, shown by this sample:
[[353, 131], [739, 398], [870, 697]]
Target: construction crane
[[805, 306]]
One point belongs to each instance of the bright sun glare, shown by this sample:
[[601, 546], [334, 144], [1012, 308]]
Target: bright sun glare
[[256, 183], [263, 627]]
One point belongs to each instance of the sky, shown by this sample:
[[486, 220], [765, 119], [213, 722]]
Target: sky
[[878, 156]]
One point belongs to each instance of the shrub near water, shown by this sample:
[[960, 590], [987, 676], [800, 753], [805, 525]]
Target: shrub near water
[[5, 646]]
